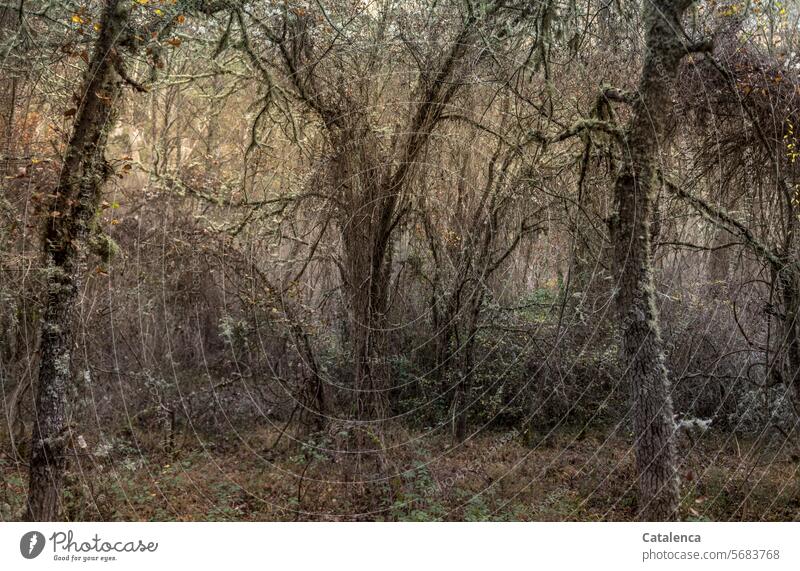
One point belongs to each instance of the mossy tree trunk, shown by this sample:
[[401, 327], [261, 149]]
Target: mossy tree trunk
[[634, 194], [65, 235]]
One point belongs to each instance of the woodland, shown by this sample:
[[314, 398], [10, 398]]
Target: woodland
[[399, 260]]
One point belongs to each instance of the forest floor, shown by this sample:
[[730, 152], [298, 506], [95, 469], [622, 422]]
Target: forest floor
[[492, 477]]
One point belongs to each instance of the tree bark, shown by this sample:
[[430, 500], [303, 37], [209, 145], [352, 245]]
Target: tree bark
[[634, 194], [67, 229], [461, 394], [790, 292], [10, 21], [369, 279]]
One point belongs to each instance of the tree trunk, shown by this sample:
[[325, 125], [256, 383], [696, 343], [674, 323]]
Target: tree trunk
[[314, 401], [634, 194], [10, 21], [461, 394], [365, 222], [368, 309], [790, 291], [67, 229]]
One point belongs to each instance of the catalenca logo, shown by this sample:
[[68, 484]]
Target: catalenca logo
[[31, 544]]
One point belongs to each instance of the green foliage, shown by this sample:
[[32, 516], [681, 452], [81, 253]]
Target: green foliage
[[417, 498]]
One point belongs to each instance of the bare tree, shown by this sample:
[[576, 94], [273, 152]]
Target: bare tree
[[369, 173]]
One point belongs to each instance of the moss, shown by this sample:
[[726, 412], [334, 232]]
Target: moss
[[104, 247]]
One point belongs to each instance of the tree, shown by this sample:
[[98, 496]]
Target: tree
[[373, 156], [69, 227], [66, 231], [634, 195]]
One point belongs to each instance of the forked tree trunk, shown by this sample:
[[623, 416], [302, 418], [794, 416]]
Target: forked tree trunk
[[68, 226], [634, 194]]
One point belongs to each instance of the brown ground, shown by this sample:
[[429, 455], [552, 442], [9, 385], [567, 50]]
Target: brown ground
[[491, 477]]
